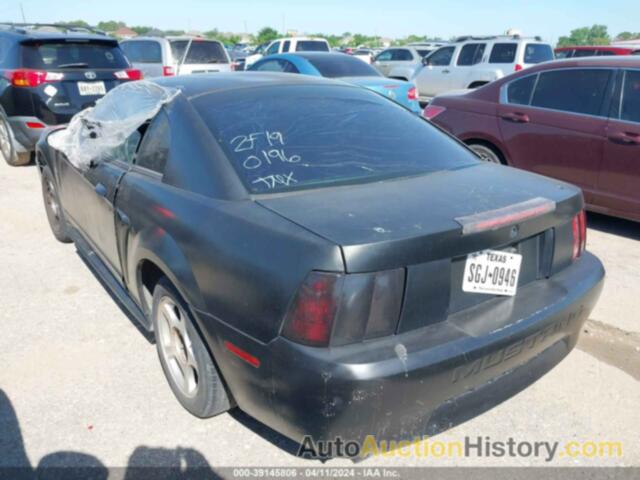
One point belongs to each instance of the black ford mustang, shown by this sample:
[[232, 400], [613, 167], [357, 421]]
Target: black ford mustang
[[319, 256]]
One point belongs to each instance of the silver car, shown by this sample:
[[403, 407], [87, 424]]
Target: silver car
[[401, 62], [164, 57]]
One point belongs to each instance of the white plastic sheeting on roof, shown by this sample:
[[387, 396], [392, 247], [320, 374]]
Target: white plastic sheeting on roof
[[100, 133]]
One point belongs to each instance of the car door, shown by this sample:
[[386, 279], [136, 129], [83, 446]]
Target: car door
[[434, 77], [384, 61], [88, 197], [554, 123], [470, 54], [619, 181]]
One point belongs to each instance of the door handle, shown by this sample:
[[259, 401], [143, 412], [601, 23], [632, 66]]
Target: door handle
[[516, 117], [123, 217], [101, 190], [626, 138], [445, 71]]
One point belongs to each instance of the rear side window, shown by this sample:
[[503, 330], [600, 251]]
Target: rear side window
[[336, 66], [503, 53], [471, 54], [286, 45], [282, 138], [630, 108], [48, 55], [143, 51], [519, 91], [154, 150], [575, 90], [312, 46], [606, 53], [537, 53]]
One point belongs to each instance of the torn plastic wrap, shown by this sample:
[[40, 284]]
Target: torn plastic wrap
[[100, 133]]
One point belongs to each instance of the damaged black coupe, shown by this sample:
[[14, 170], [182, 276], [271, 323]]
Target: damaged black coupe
[[317, 255]]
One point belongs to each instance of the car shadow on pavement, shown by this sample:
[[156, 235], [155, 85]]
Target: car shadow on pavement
[[144, 463], [614, 225]]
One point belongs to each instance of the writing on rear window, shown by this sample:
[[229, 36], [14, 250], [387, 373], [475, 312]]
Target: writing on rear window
[[268, 149]]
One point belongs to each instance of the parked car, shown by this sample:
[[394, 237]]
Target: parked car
[[345, 68], [165, 57], [475, 61], [47, 74], [577, 120], [364, 54], [284, 45], [593, 51], [329, 263], [400, 62]]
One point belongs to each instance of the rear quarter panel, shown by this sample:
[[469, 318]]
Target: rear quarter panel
[[469, 119]]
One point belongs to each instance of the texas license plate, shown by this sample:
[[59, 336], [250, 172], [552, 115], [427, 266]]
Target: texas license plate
[[92, 88], [492, 272]]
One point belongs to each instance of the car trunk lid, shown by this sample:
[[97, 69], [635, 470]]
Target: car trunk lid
[[420, 219]]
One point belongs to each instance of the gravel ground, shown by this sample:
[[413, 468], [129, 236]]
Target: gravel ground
[[79, 384]]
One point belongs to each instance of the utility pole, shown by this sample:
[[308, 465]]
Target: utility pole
[[24, 20], [284, 32]]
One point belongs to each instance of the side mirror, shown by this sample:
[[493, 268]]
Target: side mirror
[[426, 61]]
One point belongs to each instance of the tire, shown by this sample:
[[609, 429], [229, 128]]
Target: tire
[[52, 206], [185, 360], [7, 145], [487, 153]]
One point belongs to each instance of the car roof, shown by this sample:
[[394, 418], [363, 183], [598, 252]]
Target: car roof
[[51, 35], [614, 61], [611, 48], [205, 83]]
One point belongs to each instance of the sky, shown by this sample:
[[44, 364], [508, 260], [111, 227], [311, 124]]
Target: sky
[[395, 19]]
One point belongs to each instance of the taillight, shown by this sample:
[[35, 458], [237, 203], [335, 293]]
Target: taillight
[[431, 111], [34, 125], [129, 74], [518, 67], [412, 94], [168, 72], [579, 227], [32, 78], [311, 316], [341, 309]]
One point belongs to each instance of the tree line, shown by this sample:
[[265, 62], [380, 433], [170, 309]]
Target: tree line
[[594, 35]]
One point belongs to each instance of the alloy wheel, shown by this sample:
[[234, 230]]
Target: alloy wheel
[[485, 153], [176, 347], [5, 140]]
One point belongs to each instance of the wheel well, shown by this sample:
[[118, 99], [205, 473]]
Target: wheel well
[[150, 274], [477, 84], [496, 150]]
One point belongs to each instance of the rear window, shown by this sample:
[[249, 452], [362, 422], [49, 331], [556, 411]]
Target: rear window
[[312, 46], [563, 53], [143, 51], [503, 53], [53, 55], [340, 65], [537, 53], [296, 137], [200, 52], [574, 90], [585, 53]]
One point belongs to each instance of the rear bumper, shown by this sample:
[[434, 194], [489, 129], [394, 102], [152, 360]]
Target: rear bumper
[[420, 382], [25, 136]]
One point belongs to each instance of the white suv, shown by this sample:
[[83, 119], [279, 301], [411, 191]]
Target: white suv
[[284, 45], [471, 62]]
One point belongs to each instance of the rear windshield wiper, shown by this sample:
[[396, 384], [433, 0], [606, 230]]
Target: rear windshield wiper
[[74, 65]]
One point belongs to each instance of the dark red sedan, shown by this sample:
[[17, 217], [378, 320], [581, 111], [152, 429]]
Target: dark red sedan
[[576, 120]]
